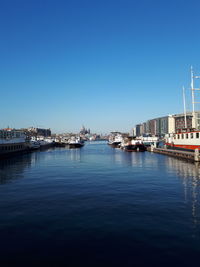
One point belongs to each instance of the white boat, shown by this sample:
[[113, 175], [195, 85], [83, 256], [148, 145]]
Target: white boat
[[64, 140], [115, 139], [185, 140], [46, 142], [75, 142], [41, 142], [12, 141], [34, 145], [150, 140], [133, 144]]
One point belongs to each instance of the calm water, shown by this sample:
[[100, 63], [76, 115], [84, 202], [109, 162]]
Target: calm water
[[99, 206]]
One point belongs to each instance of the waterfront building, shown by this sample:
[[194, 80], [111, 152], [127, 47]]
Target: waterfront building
[[138, 129], [196, 120], [189, 120], [152, 126], [134, 131], [9, 133], [169, 124], [39, 132], [144, 127], [84, 131], [147, 127], [179, 121], [158, 126], [164, 125]]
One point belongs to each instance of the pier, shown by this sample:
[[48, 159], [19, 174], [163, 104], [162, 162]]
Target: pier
[[188, 155]]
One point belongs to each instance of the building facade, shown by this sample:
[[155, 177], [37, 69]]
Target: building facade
[[39, 132], [168, 124]]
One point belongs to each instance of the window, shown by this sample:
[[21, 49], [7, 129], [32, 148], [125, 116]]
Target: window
[[182, 136], [191, 135], [186, 136], [178, 136], [197, 135]]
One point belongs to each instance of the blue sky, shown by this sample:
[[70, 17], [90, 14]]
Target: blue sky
[[104, 64]]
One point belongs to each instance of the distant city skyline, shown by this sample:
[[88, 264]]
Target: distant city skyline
[[106, 64]]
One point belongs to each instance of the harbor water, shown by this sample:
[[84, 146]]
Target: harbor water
[[99, 206]]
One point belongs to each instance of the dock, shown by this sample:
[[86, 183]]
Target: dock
[[187, 155]]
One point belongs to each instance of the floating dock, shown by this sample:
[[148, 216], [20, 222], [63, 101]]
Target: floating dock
[[188, 155]]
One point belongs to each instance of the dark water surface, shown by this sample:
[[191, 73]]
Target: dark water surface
[[99, 206]]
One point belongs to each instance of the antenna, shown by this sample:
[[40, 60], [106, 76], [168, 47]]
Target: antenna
[[185, 115]]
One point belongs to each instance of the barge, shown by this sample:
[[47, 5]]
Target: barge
[[12, 142]]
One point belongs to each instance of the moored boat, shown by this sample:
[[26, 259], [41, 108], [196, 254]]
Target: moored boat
[[189, 140], [115, 139], [33, 145], [40, 142], [150, 140], [12, 142], [135, 146], [132, 144], [75, 142]]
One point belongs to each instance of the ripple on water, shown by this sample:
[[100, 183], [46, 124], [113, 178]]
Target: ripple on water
[[99, 206]]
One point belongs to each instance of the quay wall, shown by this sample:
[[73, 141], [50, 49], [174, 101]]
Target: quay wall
[[11, 150], [188, 155]]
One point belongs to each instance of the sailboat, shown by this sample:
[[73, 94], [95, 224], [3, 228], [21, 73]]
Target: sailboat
[[186, 138]]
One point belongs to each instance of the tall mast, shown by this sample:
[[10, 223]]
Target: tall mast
[[194, 122], [184, 107], [192, 88]]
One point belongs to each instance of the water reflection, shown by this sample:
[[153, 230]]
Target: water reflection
[[136, 159], [188, 172], [75, 154], [190, 175], [13, 168]]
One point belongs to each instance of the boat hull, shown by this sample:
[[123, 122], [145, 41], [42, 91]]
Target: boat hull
[[135, 148], [77, 145], [7, 150], [180, 146], [59, 144], [114, 144]]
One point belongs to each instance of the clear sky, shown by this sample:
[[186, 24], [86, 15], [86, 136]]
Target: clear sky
[[105, 64]]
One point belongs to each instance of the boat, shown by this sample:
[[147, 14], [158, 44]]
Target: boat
[[187, 140], [12, 142], [64, 141], [61, 141], [75, 142], [150, 140], [33, 145], [132, 144], [40, 142], [115, 139], [135, 146]]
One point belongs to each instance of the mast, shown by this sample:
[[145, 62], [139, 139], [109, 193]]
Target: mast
[[192, 88], [185, 115], [194, 122]]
